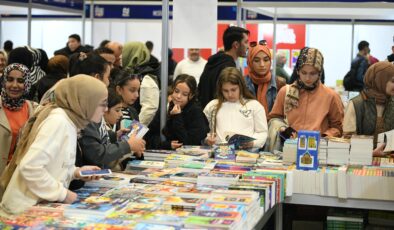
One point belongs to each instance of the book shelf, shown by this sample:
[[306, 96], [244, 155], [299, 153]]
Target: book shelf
[[306, 199]]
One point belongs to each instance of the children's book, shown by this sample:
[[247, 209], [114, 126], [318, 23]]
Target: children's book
[[133, 125], [224, 152], [307, 150], [237, 139]]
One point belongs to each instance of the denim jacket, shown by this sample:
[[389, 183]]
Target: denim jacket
[[271, 92]]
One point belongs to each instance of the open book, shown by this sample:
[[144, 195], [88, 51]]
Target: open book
[[237, 139], [133, 125]]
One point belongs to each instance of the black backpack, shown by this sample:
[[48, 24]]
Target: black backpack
[[350, 81]]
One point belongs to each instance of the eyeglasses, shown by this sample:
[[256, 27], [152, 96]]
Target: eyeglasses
[[261, 42], [104, 104]]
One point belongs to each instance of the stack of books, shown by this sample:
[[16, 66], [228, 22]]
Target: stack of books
[[200, 218], [108, 181], [243, 156], [361, 148], [174, 160], [322, 154], [156, 155], [203, 152], [138, 165], [290, 151], [217, 178], [338, 151]]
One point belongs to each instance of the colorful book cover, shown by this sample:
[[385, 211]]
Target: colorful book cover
[[307, 150], [237, 140], [134, 126], [217, 214], [224, 152]]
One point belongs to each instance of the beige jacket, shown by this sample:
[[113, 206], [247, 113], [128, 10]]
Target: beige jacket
[[5, 134], [47, 168]]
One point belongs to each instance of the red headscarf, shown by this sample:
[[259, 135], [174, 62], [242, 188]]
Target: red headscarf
[[261, 81]]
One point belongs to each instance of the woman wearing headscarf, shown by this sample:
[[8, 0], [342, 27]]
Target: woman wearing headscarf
[[134, 57], [15, 110], [43, 164], [307, 104], [372, 111], [260, 81]]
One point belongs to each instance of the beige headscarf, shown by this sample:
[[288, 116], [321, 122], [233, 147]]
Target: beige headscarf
[[134, 54], [79, 96]]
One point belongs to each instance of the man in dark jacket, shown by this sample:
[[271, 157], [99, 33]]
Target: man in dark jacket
[[235, 40], [390, 57], [73, 46]]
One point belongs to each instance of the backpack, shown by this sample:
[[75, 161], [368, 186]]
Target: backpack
[[350, 81]]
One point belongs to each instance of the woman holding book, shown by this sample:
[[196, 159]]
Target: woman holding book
[[372, 111], [186, 123], [306, 104], [43, 163], [235, 111]]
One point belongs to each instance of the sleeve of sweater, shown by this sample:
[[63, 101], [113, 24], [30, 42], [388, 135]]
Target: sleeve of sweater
[[149, 100], [44, 151], [278, 110], [335, 117], [260, 125], [95, 152], [195, 131]]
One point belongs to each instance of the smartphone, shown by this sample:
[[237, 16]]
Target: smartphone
[[287, 133], [101, 172]]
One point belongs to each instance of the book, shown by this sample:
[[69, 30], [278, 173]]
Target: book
[[237, 139], [134, 126], [307, 150], [224, 152], [108, 181]]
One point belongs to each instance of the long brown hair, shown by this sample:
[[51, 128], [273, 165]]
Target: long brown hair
[[233, 76]]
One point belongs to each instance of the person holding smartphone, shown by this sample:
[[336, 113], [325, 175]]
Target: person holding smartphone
[[43, 164], [307, 104]]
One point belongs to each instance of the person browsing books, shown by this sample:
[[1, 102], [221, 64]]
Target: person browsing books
[[372, 111], [186, 123], [95, 145], [306, 104], [126, 86], [43, 163], [235, 111]]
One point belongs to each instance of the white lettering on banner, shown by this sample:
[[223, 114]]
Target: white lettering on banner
[[126, 12]]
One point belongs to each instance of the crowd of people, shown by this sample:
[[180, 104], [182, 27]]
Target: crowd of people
[[67, 114]]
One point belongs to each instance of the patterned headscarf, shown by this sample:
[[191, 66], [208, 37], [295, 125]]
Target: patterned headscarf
[[308, 56], [15, 103], [36, 72], [376, 79]]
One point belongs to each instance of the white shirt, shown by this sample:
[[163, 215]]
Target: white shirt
[[149, 100], [47, 168], [248, 119], [192, 68]]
